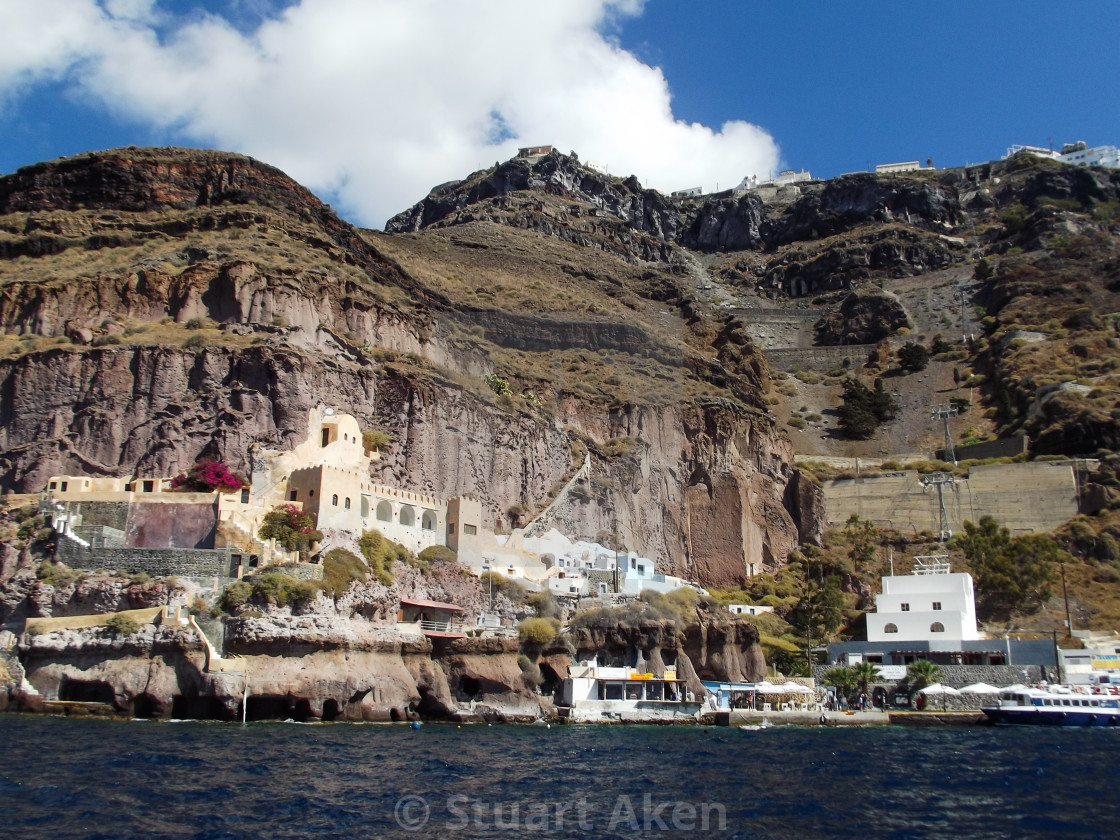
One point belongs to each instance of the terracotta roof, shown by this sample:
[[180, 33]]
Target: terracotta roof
[[434, 605]]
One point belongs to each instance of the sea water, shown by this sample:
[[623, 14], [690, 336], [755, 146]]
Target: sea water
[[65, 778]]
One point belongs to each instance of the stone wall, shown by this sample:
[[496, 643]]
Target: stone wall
[[157, 562], [110, 514], [100, 536], [1001, 448], [299, 571], [1024, 498], [819, 359]]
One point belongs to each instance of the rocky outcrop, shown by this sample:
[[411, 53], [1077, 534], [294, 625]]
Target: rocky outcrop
[[312, 666], [707, 649], [862, 318]]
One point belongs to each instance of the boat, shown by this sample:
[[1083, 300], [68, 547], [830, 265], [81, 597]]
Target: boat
[[1053, 706]]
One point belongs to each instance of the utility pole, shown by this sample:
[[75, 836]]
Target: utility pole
[[943, 411], [1065, 595], [939, 480]]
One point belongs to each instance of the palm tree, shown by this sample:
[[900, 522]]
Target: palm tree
[[843, 678], [865, 672], [922, 673]]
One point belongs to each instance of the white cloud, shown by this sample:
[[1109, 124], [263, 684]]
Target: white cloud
[[378, 100]]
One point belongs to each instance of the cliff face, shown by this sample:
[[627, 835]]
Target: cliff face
[[174, 305]]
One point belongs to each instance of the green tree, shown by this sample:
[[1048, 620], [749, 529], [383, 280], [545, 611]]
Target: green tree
[[864, 538], [864, 673], [291, 527], [922, 673], [842, 677], [122, 625], [913, 357], [862, 409], [1012, 574]]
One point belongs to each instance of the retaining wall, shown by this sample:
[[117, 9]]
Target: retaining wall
[[1023, 498], [819, 359], [157, 562]]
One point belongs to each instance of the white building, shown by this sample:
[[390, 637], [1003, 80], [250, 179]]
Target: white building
[[1079, 154], [1037, 151], [930, 605], [786, 176], [903, 166], [748, 609]]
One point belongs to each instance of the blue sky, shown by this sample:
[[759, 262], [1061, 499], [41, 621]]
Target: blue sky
[[372, 102]]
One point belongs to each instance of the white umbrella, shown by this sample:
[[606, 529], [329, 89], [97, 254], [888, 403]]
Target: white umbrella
[[795, 688], [939, 688], [980, 688], [768, 688]]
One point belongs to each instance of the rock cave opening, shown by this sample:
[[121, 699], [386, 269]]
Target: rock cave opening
[[268, 707], [470, 687], [395, 715], [195, 707], [86, 691], [302, 710], [551, 680], [330, 710], [430, 706], [145, 706]]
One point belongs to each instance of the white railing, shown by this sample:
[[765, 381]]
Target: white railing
[[441, 626]]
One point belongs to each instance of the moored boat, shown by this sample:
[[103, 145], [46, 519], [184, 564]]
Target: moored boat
[[1056, 706]]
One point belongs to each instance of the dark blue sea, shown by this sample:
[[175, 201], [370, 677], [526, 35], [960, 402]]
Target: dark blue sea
[[114, 780]]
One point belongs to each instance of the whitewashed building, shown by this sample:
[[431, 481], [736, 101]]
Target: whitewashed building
[[931, 605]]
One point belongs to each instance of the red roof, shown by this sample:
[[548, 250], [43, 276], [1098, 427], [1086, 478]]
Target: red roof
[[434, 605]]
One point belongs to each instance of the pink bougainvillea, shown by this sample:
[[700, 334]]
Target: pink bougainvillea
[[208, 476]]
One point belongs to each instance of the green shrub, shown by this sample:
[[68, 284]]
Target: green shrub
[[106, 340], [235, 596], [291, 527], [539, 631], [122, 625], [796, 422], [492, 581], [380, 554], [375, 439], [340, 569], [139, 578], [57, 575], [280, 589], [438, 554], [196, 341], [196, 323]]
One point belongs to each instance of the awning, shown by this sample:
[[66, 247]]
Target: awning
[[431, 605]]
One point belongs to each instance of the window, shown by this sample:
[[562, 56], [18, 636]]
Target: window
[[149, 486], [451, 527], [937, 605], [428, 520], [54, 485], [937, 627], [470, 529], [906, 608], [334, 499], [244, 495], [292, 495], [326, 436], [408, 516], [384, 512], [891, 628], [310, 494], [346, 503]]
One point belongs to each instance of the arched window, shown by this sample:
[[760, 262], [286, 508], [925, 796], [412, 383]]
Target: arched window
[[408, 516], [937, 627], [428, 520], [334, 500], [346, 504], [891, 628], [384, 512]]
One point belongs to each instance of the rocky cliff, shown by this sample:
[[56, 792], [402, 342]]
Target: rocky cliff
[[165, 305]]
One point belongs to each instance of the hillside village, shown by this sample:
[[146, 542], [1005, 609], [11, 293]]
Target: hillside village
[[641, 526]]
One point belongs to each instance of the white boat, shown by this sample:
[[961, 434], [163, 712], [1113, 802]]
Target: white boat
[[1054, 706]]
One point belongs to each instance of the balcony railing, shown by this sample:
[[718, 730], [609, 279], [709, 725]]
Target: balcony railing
[[441, 626]]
